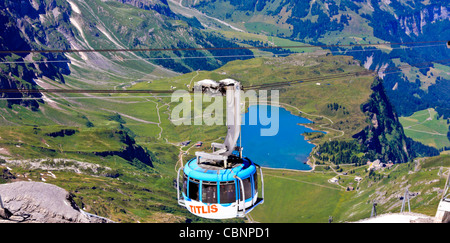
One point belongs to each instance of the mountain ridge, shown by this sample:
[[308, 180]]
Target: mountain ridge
[[129, 140], [65, 25], [357, 22], [385, 135]]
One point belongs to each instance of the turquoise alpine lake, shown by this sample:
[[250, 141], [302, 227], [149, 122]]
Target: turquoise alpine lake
[[286, 149]]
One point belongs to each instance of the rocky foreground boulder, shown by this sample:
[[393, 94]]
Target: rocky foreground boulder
[[41, 203]]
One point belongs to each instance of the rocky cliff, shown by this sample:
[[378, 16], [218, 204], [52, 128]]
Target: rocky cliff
[[384, 136], [122, 24], [38, 202], [415, 22], [159, 6], [24, 26]]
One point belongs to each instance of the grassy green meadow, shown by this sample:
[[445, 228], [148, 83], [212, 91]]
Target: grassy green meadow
[[131, 191], [426, 127]]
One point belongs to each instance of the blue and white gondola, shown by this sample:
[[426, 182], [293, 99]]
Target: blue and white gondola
[[221, 184]]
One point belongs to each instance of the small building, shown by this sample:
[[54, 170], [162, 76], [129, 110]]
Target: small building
[[357, 178], [185, 143], [375, 165], [198, 144]]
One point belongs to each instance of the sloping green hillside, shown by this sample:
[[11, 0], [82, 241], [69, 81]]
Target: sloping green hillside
[[309, 197], [336, 106], [100, 25], [337, 94], [427, 127], [88, 156]]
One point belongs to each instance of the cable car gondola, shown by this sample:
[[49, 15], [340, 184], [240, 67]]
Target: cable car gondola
[[222, 184]]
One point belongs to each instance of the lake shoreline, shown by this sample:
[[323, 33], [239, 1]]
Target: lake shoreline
[[308, 162], [312, 165], [288, 152]]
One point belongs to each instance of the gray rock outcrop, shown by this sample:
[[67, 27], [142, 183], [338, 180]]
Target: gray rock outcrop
[[41, 203]]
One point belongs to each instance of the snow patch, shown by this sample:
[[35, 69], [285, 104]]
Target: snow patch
[[74, 7], [395, 86], [77, 25], [42, 18], [51, 174], [383, 68], [75, 62], [42, 84], [109, 37], [49, 101], [368, 62]]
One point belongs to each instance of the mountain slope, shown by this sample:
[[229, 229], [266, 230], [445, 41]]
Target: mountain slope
[[357, 104], [41, 203], [116, 152], [385, 136], [361, 22], [387, 20], [342, 107], [64, 25]]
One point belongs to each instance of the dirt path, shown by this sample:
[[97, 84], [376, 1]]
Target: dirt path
[[159, 117], [430, 118], [131, 117], [321, 126]]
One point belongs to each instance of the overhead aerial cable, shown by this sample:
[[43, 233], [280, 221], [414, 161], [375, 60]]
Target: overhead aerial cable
[[211, 48], [140, 91], [257, 87], [199, 57], [210, 56]]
